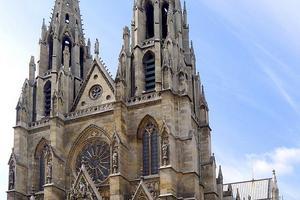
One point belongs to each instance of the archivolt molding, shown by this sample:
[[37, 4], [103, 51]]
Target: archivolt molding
[[144, 123], [88, 135]]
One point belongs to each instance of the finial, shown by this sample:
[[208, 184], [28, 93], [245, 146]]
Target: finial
[[126, 30], [31, 63], [97, 47], [192, 46], [220, 173], [230, 188], [44, 24], [274, 176], [203, 92], [238, 194]]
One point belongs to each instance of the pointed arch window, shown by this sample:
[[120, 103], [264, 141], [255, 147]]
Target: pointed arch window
[[47, 98], [149, 9], [150, 150], [67, 18], [164, 15], [149, 70], [42, 171], [50, 52], [81, 62]]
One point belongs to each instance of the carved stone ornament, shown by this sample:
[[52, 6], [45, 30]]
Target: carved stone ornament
[[83, 187], [12, 171], [165, 150], [115, 160], [95, 92], [96, 159], [11, 184], [49, 171], [49, 164]]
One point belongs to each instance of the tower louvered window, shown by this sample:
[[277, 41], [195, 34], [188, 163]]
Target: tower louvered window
[[50, 53], [164, 14], [150, 150], [149, 20], [47, 98], [149, 69]]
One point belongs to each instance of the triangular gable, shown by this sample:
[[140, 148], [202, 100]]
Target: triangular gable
[[84, 187], [97, 76], [142, 192]]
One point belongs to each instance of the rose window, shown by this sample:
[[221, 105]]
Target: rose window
[[95, 92], [96, 159]]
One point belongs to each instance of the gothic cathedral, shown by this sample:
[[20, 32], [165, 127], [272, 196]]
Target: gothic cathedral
[[80, 134]]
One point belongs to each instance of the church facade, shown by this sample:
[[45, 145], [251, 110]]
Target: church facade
[[145, 134]]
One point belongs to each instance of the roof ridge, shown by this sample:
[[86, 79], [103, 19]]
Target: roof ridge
[[253, 180]]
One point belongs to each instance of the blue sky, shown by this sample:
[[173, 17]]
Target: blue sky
[[248, 56]]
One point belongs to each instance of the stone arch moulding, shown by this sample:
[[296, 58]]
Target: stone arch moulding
[[143, 123], [40, 147], [87, 135]]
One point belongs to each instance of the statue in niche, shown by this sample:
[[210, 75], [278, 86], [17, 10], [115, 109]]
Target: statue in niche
[[165, 151], [182, 83], [115, 160], [66, 57], [49, 171], [123, 66], [166, 56], [11, 178]]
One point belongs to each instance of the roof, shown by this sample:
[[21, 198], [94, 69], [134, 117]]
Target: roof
[[256, 189]]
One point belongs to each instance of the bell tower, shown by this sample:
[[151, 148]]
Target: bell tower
[[161, 53], [64, 59]]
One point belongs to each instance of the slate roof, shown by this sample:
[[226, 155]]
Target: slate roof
[[256, 189]]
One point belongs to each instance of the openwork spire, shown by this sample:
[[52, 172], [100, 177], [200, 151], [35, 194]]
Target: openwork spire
[[66, 13]]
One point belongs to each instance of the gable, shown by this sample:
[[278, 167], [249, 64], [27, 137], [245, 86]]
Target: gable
[[83, 187], [96, 90], [142, 193]]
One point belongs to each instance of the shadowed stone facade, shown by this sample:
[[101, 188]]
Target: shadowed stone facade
[[80, 134]]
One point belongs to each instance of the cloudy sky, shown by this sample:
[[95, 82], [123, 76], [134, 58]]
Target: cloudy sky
[[248, 56]]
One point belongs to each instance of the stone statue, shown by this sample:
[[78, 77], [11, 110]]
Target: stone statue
[[66, 57], [165, 151], [49, 172], [182, 83], [97, 47], [115, 160], [11, 184], [166, 56], [32, 197]]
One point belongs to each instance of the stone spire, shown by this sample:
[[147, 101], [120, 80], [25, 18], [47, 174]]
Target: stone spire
[[185, 22], [220, 176], [44, 30], [275, 189], [238, 197], [32, 69], [66, 13]]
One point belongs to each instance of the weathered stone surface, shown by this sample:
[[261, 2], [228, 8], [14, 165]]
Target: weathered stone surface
[[88, 108]]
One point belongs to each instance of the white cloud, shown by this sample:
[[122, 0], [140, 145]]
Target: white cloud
[[283, 160]]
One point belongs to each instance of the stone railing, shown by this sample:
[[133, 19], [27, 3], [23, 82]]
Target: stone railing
[[144, 98], [148, 43], [89, 111], [40, 123], [47, 73]]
